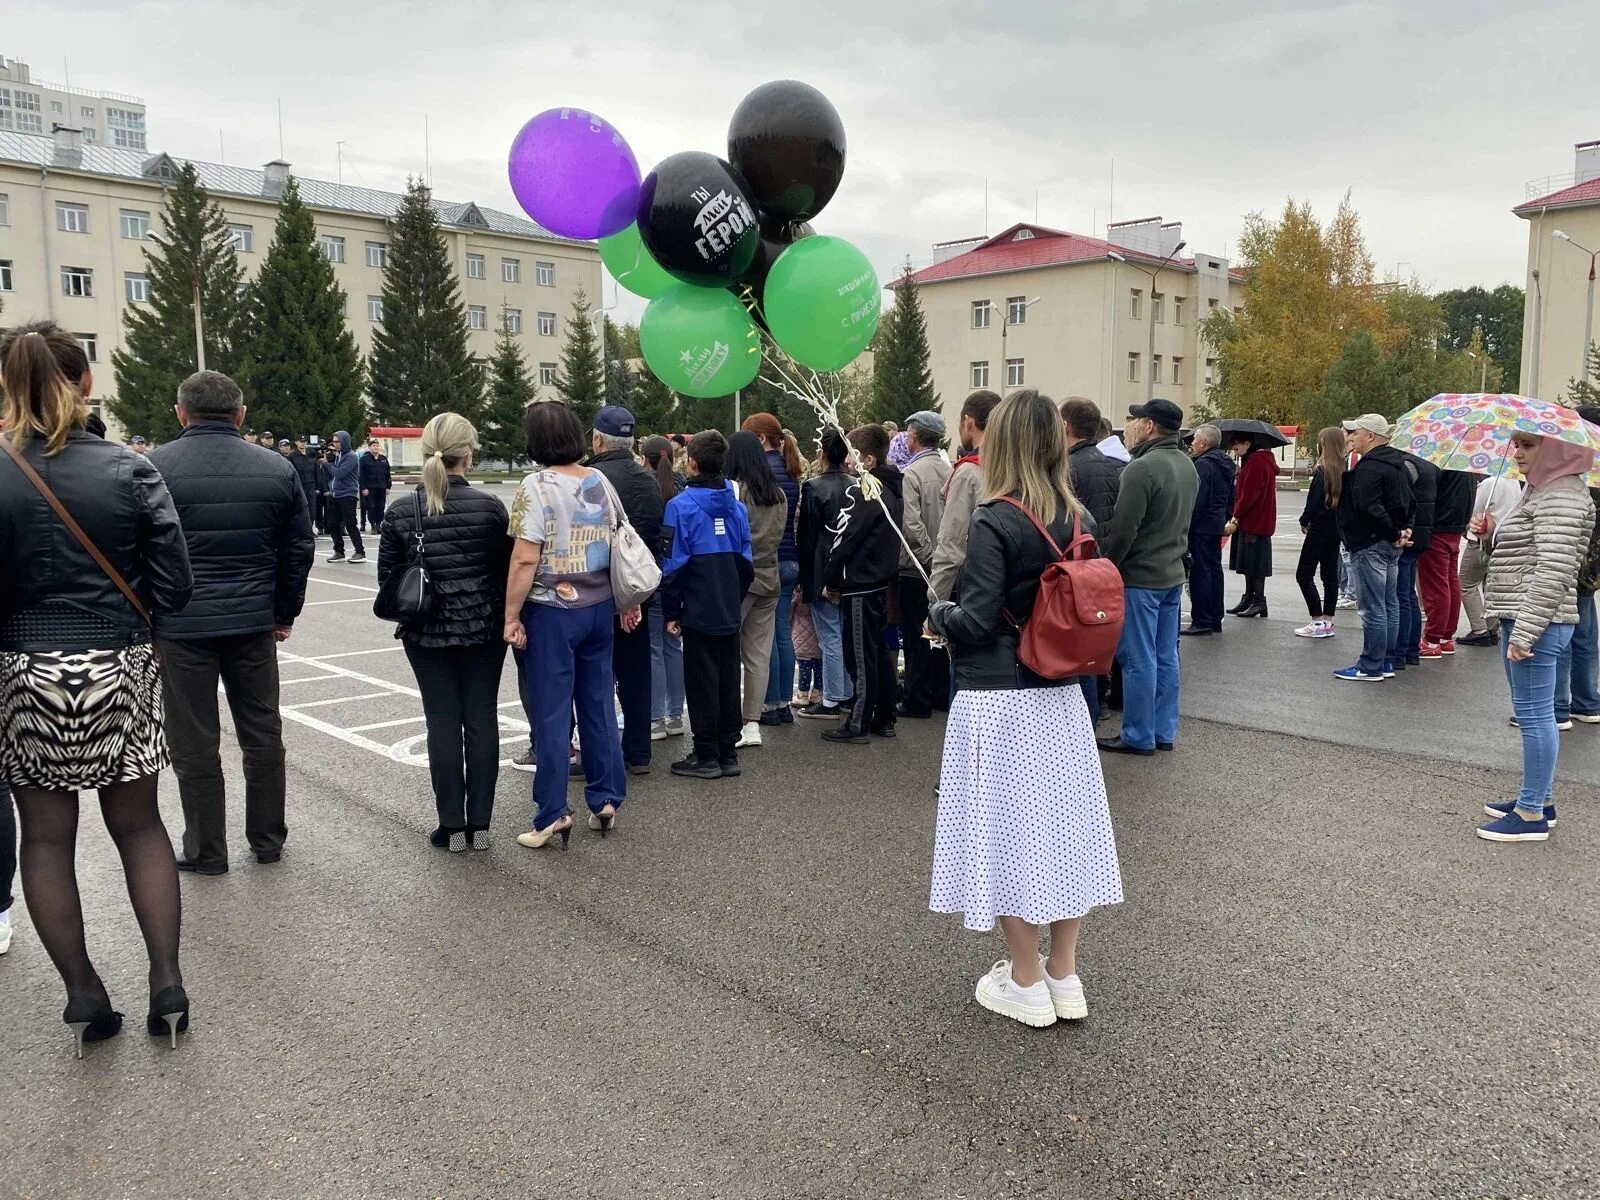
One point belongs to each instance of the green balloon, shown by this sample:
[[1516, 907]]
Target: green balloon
[[700, 341], [822, 301], [630, 264]]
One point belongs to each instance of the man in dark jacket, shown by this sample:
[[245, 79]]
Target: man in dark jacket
[[821, 498], [1438, 577], [375, 481], [1096, 476], [1424, 477], [250, 547], [1213, 504], [640, 493], [305, 470], [344, 495], [1375, 514], [862, 563]]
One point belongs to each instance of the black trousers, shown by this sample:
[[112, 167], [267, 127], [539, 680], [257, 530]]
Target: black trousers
[[711, 691], [248, 669], [8, 846], [630, 663], [372, 505], [460, 688], [320, 511], [927, 683], [869, 662], [1205, 580], [1319, 554], [342, 520]]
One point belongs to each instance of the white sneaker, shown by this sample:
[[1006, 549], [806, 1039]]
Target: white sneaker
[[658, 731], [5, 931], [1347, 602], [1309, 631], [750, 735], [1587, 718], [526, 761], [999, 993], [1066, 995]]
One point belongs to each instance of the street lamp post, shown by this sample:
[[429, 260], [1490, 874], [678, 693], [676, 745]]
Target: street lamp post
[[1005, 327], [194, 283], [1483, 370], [1588, 320], [1150, 364]]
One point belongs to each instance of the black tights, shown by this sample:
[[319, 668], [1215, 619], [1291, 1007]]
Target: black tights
[[50, 882], [1255, 588]]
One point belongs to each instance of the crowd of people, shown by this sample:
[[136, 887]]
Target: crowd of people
[[882, 580]]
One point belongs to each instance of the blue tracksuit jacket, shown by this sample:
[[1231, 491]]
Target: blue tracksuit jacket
[[706, 566]]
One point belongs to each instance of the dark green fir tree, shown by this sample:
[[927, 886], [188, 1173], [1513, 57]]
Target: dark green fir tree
[[581, 381], [501, 436], [902, 382]]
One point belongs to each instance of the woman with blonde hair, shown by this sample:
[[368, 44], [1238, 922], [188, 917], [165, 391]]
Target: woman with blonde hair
[[1320, 524], [457, 654], [1024, 831], [80, 688]]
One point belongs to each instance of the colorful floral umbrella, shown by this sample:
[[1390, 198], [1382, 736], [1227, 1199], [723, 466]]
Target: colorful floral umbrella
[[1472, 431]]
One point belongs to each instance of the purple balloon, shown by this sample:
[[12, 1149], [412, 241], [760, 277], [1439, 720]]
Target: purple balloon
[[573, 173]]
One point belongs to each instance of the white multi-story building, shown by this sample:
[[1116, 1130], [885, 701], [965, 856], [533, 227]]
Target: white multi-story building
[[1559, 321], [76, 218], [29, 105]]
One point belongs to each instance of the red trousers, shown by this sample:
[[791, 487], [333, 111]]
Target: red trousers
[[1439, 586]]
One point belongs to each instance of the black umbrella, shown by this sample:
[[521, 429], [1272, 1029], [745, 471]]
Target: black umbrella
[[1266, 437]]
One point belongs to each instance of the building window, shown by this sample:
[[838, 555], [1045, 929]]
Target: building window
[[56, 106], [375, 309], [1013, 372], [513, 320], [1211, 370], [5, 275], [1177, 310], [1156, 313], [1133, 366], [91, 345], [332, 247], [86, 113], [980, 374], [30, 122], [546, 274], [77, 281], [28, 101], [72, 218], [477, 317], [5, 209], [981, 310], [547, 324], [127, 128], [136, 286], [88, 135], [510, 270], [1135, 303], [243, 240], [377, 255], [474, 266], [547, 374], [128, 139], [1016, 310], [1212, 304], [1177, 370], [135, 224]]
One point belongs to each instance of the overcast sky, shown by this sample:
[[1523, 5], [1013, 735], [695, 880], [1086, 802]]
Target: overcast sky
[[1434, 113]]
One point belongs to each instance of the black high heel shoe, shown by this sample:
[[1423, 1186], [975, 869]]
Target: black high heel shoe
[[1245, 601], [1258, 608], [91, 1019], [169, 1013]]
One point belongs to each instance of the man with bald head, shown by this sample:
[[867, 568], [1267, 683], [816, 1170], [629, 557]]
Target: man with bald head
[[1212, 504]]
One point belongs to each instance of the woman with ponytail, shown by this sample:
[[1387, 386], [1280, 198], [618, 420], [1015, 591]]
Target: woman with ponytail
[[80, 700], [457, 654], [783, 457], [666, 651]]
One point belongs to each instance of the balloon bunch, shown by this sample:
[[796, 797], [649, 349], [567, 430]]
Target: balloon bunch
[[722, 248]]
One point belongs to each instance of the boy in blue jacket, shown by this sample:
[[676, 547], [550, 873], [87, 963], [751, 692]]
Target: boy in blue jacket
[[706, 569]]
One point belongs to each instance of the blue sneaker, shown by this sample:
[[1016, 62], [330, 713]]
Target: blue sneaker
[[1513, 828], [1504, 808], [1390, 667], [1356, 675]]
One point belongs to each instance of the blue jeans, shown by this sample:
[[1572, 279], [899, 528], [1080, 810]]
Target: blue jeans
[[569, 665], [829, 621], [1375, 572], [1533, 696], [1410, 640], [1577, 690], [780, 675], [666, 668], [1148, 652]]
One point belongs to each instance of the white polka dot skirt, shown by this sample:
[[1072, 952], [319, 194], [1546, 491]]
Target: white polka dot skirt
[[1024, 829]]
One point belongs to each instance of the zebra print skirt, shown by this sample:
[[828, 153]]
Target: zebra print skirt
[[78, 720]]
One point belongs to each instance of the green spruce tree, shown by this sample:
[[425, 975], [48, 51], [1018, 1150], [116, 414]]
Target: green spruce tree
[[501, 434], [421, 364], [303, 371], [901, 380], [158, 344], [1360, 381], [581, 381], [1581, 392]]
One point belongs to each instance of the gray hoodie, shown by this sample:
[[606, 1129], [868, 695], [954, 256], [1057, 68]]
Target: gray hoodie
[[344, 472]]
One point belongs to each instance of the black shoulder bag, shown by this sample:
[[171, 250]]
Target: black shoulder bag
[[407, 596]]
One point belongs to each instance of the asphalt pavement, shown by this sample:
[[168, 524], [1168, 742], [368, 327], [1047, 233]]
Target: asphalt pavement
[[1321, 984]]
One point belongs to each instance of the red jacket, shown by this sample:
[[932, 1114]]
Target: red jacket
[[1255, 496]]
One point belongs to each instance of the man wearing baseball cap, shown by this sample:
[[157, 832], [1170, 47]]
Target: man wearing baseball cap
[[1148, 537], [1375, 514], [139, 445], [641, 501]]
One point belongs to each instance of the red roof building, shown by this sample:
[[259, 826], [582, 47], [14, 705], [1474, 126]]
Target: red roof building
[[1563, 238]]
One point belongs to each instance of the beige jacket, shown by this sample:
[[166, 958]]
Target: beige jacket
[[766, 531], [951, 552], [1534, 560], [924, 505]]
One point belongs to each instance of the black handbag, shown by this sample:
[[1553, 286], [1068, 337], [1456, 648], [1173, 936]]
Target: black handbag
[[407, 597]]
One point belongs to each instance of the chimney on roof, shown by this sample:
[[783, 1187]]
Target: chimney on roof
[[69, 146], [1587, 162], [275, 178]]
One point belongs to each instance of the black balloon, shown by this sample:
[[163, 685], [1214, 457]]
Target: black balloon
[[776, 237], [698, 220], [786, 138]]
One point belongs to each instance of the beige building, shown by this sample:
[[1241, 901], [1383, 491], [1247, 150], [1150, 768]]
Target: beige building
[[1073, 315], [1563, 215], [29, 105], [75, 220]]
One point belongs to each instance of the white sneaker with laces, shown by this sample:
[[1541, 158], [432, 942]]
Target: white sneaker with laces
[[5, 931], [1309, 631], [1066, 995], [750, 735], [999, 993]]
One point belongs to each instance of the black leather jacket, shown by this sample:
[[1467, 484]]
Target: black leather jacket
[[821, 499], [52, 594], [1005, 556], [467, 549]]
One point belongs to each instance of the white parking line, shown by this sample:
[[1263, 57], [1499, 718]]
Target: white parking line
[[386, 724], [360, 587], [337, 700], [352, 600], [354, 653]]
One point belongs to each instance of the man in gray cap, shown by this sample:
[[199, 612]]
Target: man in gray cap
[[927, 669]]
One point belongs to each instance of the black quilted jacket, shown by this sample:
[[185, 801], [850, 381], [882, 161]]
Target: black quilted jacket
[[467, 550]]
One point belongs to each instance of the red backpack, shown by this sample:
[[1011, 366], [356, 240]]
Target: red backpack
[[1077, 615]]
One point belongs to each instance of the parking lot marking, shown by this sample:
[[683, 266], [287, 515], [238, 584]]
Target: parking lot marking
[[360, 587], [386, 724], [352, 600], [355, 653], [339, 700]]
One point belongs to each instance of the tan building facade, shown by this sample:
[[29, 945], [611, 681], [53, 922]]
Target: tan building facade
[[29, 105], [75, 221], [1074, 315], [1560, 274]]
